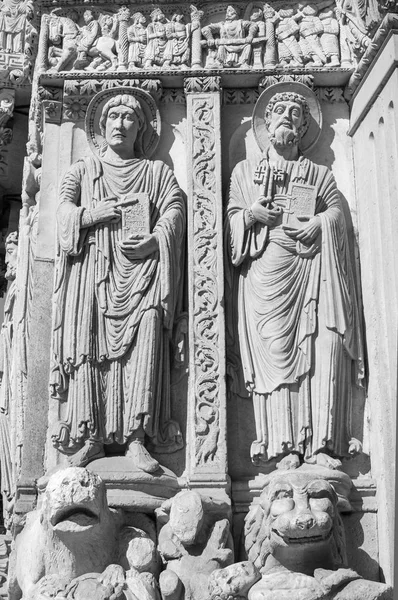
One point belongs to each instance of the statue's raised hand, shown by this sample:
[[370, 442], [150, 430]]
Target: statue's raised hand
[[306, 234], [139, 246], [106, 212]]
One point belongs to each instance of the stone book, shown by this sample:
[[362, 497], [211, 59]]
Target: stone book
[[301, 206], [135, 214]]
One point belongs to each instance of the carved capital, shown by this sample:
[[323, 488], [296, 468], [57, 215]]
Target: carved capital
[[330, 94], [194, 85], [86, 88], [268, 80]]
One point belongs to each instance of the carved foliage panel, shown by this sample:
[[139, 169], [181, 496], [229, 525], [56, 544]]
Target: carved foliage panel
[[207, 384]]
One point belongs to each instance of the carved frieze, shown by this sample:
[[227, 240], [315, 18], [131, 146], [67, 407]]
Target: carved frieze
[[18, 39], [265, 36]]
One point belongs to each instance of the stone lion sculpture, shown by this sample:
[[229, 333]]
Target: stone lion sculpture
[[295, 537], [193, 543], [73, 533]]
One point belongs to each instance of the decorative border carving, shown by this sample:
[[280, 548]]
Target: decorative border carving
[[195, 85], [205, 275], [330, 94]]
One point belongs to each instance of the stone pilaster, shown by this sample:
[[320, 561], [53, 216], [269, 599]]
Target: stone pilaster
[[206, 435]]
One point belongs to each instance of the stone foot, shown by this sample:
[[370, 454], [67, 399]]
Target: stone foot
[[289, 462], [354, 447], [141, 457], [90, 451], [324, 460]]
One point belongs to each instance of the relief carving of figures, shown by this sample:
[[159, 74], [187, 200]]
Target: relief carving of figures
[[232, 46], [193, 543], [63, 36], [287, 31], [137, 37], [178, 33], [13, 21], [97, 43], [299, 324], [7, 384], [155, 53], [121, 223]]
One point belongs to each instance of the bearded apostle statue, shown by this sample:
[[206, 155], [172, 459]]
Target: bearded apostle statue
[[121, 222], [298, 318]]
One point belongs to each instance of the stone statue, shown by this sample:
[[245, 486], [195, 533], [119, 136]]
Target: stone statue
[[234, 39], [178, 33], [295, 538], [310, 30], [193, 543], [63, 38], [287, 31], [121, 223], [330, 35], [299, 330], [233, 582], [137, 37], [7, 366], [13, 18], [73, 533], [157, 40]]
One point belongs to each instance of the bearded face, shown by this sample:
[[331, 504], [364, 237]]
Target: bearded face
[[284, 124]]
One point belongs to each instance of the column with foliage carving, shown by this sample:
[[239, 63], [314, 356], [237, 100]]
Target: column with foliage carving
[[207, 460]]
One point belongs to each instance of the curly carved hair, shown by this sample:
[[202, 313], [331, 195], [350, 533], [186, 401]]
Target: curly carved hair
[[131, 102], [290, 97]]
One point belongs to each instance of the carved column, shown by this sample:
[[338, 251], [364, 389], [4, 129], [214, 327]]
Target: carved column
[[207, 459], [123, 16]]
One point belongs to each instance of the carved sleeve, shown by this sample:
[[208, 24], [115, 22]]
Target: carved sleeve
[[70, 213]]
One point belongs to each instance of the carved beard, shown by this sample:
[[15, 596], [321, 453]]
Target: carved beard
[[282, 136]]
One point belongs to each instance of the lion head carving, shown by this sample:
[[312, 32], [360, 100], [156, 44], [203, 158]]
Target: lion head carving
[[297, 523]]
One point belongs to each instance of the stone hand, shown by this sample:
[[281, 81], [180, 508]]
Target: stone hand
[[307, 234], [268, 216], [106, 212], [139, 246]]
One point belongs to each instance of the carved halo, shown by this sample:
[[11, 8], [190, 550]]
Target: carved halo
[[313, 132], [151, 135]]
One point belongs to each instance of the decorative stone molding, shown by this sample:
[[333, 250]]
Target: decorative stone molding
[[205, 254], [18, 41]]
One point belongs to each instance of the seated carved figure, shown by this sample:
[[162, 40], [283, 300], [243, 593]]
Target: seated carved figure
[[295, 537], [233, 40], [193, 545]]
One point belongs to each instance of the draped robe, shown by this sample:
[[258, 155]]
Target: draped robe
[[113, 315], [298, 323]]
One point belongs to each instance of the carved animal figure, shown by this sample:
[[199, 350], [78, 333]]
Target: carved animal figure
[[192, 545], [295, 537], [73, 533]]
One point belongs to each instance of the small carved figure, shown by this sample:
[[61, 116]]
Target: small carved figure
[[13, 17], [233, 582], [299, 330], [259, 40], [64, 36], [97, 42], [73, 533], [137, 37], [178, 49], [157, 40], [287, 31], [120, 230], [353, 35], [7, 367], [234, 41], [295, 538], [330, 36], [192, 545], [310, 30]]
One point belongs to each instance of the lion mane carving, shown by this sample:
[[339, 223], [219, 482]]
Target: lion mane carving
[[295, 538], [72, 533]]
